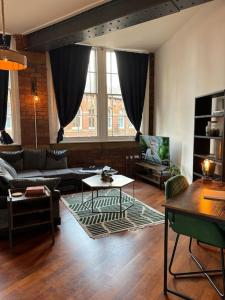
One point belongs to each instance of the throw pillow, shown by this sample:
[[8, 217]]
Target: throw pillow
[[14, 158], [34, 159], [51, 183], [56, 159], [8, 167]]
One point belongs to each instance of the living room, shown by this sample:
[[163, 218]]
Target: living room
[[99, 190]]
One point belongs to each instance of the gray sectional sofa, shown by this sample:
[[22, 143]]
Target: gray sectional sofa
[[30, 167], [30, 163]]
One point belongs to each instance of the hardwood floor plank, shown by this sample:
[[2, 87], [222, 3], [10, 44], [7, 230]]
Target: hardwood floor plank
[[124, 266]]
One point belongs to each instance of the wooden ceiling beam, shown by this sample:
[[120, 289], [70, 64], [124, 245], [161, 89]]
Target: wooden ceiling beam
[[112, 16]]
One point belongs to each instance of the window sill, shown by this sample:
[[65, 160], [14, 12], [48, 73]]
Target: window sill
[[98, 140]]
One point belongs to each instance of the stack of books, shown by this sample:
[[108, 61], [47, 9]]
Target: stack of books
[[35, 191]]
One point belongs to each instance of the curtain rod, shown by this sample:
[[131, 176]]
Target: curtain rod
[[119, 49]]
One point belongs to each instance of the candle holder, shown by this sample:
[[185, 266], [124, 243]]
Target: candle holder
[[208, 169]]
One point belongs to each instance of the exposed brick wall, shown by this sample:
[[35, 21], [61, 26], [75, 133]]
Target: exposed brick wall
[[36, 70]]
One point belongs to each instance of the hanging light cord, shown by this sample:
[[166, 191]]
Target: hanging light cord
[[3, 22]]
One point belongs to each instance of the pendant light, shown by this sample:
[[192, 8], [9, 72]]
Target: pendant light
[[9, 59]]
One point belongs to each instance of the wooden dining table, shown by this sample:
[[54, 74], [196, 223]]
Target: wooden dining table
[[192, 202]]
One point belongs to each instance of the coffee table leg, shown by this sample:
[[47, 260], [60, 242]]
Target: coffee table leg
[[120, 202], [82, 189], [92, 201]]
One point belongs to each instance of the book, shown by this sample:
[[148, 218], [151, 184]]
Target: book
[[214, 195], [35, 191]]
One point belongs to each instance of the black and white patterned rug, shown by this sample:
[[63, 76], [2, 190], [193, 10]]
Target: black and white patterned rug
[[103, 223]]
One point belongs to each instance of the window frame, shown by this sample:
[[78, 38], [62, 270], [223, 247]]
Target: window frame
[[102, 107], [15, 108]]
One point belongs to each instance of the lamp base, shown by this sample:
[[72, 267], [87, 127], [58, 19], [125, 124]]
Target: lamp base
[[207, 178]]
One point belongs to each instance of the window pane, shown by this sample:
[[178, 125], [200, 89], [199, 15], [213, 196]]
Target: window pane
[[114, 63], [91, 82], [9, 121], [118, 122], [85, 122], [115, 85]]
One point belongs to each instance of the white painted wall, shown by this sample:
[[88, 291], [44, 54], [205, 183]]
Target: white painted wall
[[190, 64]]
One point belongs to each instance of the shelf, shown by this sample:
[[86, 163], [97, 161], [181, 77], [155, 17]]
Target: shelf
[[209, 116], [215, 177], [146, 177], [30, 225], [197, 174], [208, 137], [23, 213], [218, 161]]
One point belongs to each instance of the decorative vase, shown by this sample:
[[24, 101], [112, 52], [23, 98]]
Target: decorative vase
[[208, 129]]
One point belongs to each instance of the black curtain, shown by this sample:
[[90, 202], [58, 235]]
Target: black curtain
[[133, 69], [69, 71], [4, 81]]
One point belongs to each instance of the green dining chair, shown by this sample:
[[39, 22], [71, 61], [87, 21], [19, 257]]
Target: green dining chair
[[195, 228]]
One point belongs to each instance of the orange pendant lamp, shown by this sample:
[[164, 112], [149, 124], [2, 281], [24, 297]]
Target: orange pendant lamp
[[10, 60]]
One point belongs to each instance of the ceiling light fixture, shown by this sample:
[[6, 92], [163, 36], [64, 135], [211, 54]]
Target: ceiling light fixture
[[9, 59]]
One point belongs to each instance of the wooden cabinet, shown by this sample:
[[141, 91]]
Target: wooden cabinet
[[153, 173]]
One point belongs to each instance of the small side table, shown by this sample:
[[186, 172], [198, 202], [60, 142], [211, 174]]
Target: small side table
[[25, 212]]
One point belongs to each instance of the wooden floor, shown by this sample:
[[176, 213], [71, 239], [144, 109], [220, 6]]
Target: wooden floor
[[119, 267]]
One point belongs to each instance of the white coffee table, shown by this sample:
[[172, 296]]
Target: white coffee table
[[95, 184]]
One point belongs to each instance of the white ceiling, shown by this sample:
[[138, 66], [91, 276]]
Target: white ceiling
[[25, 16], [146, 36]]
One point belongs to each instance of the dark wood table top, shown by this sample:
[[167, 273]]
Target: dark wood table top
[[192, 201]]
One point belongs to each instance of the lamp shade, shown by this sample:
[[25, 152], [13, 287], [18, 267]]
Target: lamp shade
[[11, 60]]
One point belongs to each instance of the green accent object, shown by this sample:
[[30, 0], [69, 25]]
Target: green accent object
[[202, 230]]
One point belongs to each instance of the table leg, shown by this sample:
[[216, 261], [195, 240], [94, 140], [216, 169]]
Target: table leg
[[92, 201], [10, 224], [121, 202], [165, 251], [82, 192], [165, 288]]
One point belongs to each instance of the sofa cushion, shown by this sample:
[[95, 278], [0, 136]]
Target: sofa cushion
[[14, 158], [34, 159], [29, 173], [6, 166], [64, 174], [51, 183], [56, 159]]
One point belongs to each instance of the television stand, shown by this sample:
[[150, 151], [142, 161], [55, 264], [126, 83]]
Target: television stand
[[153, 173]]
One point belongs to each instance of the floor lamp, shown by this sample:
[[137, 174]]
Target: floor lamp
[[36, 99]]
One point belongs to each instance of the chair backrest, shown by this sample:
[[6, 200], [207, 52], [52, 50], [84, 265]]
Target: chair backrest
[[191, 226], [175, 186]]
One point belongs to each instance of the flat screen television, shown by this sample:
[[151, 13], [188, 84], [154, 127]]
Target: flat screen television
[[155, 149]]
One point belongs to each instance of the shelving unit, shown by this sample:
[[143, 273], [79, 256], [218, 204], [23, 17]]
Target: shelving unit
[[27, 212], [211, 147]]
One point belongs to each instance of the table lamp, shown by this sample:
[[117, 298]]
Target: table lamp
[[208, 169]]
